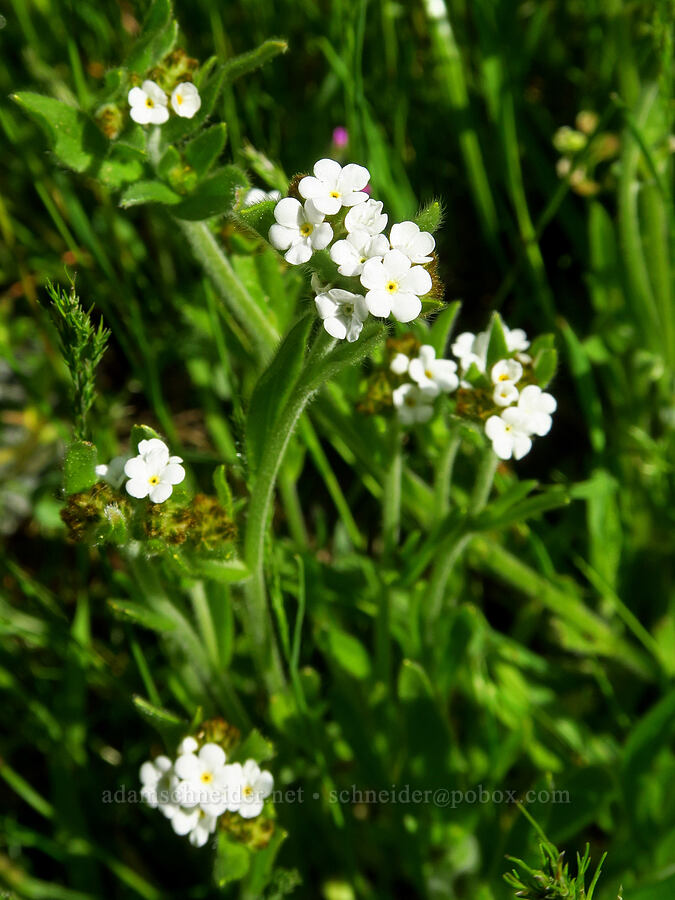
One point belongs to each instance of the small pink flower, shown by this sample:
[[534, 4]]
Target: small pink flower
[[340, 136]]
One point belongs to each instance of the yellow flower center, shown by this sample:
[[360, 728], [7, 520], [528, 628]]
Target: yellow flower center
[[391, 287], [428, 373], [409, 401], [149, 102], [335, 194], [508, 427], [348, 309], [179, 99], [306, 229], [153, 479], [206, 778], [248, 791], [504, 378]]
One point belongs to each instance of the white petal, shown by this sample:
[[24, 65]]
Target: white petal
[[494, 427], [187, 766], [250, 808], [188, 745], [353, 178], [405, 307], [140, 114], [289, 212], [149, 775], [328, 171], [321, 236], [326, 306], [311, 187], [506, 370], [136, 97], [373, 275], [402, 232], [427, 354], [299, 253], [154, 91], [281, 237], [185, 100], [396, 264], [160, 492], [345, 256], [417, 280], [198, 836], [327, 205], [399, 364], [158, 115], [379, 303], [138, 488], [136, 467], [521, 444], [504, 394], [184, 820], [354, 198], [213, 756], [172, 474], [336, 327]]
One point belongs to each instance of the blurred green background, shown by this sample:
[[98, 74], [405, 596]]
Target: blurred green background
[[458, 101]]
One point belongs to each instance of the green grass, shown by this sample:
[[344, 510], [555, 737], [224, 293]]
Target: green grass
[[406, 623]]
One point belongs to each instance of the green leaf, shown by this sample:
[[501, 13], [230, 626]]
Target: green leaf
[[168, 725], [170, 159], [141, 433], [213, 196], [256, 747], [413, 681], [652, 735], [554, 498], [545, 365], [223, 491], [177, 128], [126, 611], [75, 139], [121, 166], [248, 62], [148, 192], [262, 866], [259, 217], [431, 305], [347, 651], [497, 346], [232, 861], [274, 387], [79, 470], [157, 38], [201, 152], [225, 571], [430, 217], [441, 328]]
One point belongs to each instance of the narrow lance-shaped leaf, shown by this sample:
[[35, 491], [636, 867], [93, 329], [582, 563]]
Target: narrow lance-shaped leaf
[[148, 192], [158, 35]]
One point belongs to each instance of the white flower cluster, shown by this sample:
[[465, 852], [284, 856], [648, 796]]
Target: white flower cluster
[[526, 410], [390, 269], [197, 787], [149, 103], [429, 377]]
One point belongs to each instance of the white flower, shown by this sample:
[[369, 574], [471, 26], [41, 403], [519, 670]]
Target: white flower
[[300, 230], [506, 370], [332, 187], [101, 470], [537, 407], [153, 472], [148, 104], [471, 348], [394, 287], [159, 782], [257, 195], [205, 827], [185, 100], [505, 393], [509, 434], [417, 245], [413, 404], [184, 820], [188, 745], [343, 313], [399, 364], [367, 217], [351, 254], [433, 374], [249, 787], [113, 472], [516, 339], [203, 780]]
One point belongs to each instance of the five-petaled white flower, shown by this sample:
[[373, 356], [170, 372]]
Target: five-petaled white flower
[[506, 370], [413, 403], [434, 375], [159, 781], [148, 104], [509, 434], [417, 245], [516, 339], [359, 246], [367, 217], [153, 472], [185, 100], [203, 829], [537, 406], [394, 287], [249, 787], [505, 393], [343, 313], [300, 230], [332, 186], [471, 348], [204, 780]]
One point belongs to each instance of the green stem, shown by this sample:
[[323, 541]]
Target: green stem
[[484, 479], [241, 304], [444, 469], [391, 497]]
